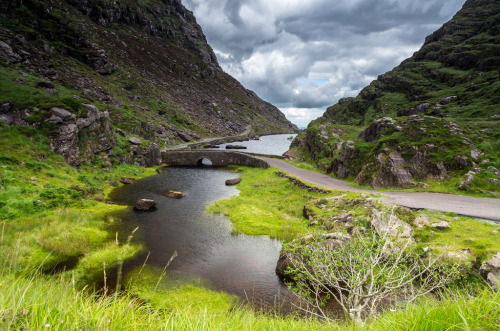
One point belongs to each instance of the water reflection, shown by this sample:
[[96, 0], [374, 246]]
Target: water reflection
[[237, 264]]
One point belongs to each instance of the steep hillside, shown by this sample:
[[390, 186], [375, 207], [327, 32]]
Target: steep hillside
[[81, 70], [435, 118]]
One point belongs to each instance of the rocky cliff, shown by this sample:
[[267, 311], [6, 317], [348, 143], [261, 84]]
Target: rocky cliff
[[81, 70], [434, 118]]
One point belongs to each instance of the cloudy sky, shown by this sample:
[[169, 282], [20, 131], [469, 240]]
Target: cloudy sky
[[304, 55]]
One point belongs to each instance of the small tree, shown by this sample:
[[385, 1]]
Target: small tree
[[364, 271]]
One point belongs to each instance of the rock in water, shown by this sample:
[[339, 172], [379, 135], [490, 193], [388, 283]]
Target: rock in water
[[145, 204], [174, 195], [235, 147], [127, 181], [234, 181]]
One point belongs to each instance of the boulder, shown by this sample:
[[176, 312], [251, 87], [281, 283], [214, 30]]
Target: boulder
[[184, 136], [174, 195], [464, 257], [61, 113], [467, 181], [145, 204], [441, 225], [233, 181], [377, 126], [121, 132], [461, 160], [331, 240], [490, 271], [235, 147], [392, 227], [45, 85], [391, 171], [135, 141], [7, 54], [127, 181], [447, 100], [421, 222]]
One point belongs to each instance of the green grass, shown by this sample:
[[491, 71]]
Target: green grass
[[172, 291], [453, 311], [463, 233], [24, 304], [267, 205], [51, 213]]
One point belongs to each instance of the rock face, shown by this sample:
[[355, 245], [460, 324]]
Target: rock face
[[77, 138], [166, 85], [145, 205], [490, 271]]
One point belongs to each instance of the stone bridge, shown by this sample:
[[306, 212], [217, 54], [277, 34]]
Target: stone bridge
[[217, 158]]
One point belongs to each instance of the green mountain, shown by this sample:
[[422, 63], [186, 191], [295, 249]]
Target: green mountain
[[81, 71], [433, 120]]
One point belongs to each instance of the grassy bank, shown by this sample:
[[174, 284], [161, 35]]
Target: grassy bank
[[24, 304], [272, 205], [53, 215], [55, 220], [267, 205]]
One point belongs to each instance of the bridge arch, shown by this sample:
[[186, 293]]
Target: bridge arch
[[204, 161]]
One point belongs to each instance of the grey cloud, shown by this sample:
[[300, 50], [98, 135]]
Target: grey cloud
[[275, 47]]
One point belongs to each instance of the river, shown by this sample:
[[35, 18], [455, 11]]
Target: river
[[237, 264]]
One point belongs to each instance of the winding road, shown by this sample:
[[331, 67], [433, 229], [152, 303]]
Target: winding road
[[484, 208]]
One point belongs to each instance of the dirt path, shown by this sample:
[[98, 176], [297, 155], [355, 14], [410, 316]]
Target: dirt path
[[475, 207]]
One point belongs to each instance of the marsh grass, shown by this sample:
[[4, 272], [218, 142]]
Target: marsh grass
[[267, 205]]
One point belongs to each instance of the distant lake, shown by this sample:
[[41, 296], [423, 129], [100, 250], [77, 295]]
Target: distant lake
[[275, 144]]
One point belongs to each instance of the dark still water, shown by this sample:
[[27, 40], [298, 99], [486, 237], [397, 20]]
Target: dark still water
[[274, 145], [237, 264]]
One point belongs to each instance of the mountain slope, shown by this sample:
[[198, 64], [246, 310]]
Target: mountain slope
[[77, 70], [435, 117]]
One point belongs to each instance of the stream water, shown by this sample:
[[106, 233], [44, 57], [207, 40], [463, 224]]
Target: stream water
[[237, 264]]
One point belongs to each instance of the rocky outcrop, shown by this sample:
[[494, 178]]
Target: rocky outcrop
[[80, 138], [375, 128], [490, 271], [391, 227], [328, 241]]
